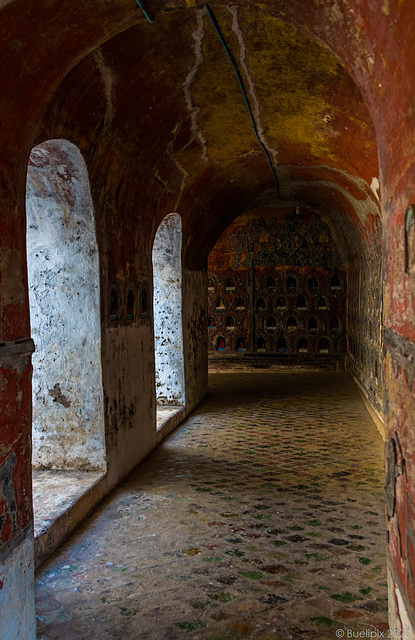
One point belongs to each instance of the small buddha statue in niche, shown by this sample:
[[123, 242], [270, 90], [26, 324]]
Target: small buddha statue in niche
[[281, 345], [211, 323], [260, 305], [301, 304], [270, 284], [130, 306], [312, 324], [291, 284], [324, 346], [221, 344], [281, 303], [114, 305], [335, 283], [313, 285], [291, 324], [240, 345], [230, 285], [334, 324], [220, 303], [261, 346]]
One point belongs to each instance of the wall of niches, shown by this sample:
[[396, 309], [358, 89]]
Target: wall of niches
[[128, 306], [365, 356], [276, 286], [293, 311]]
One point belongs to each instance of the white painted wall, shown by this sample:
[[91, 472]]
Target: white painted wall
[[63, 273], [167, 309], [17, 602]]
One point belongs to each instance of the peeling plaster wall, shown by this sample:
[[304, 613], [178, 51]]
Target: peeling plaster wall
[[130, 404], [17, 593], [364, 319], [63, 272], [168, 332], [195, 344]]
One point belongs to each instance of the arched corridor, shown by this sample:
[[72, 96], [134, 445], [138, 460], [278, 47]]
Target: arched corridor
[[268, 148], [261, 517]]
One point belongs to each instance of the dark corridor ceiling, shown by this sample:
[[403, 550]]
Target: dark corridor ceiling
[[158, 113]]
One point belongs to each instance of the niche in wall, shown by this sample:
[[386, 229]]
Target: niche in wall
[[114, 303], [130, 305]]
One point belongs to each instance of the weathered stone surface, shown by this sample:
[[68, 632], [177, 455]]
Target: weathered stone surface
[[167, 308], [63, 273]]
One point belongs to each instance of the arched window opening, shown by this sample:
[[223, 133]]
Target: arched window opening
[[220, 344], [167, 310], [282, 345], [64, 299], [302, 345], [230, 323], [322, 304], [114, 304], [240, 344], [240, 303]]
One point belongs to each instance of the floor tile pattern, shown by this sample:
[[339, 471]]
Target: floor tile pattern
[[261, 517]]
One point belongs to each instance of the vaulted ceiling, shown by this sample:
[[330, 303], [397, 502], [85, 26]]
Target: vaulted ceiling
[[157, 110]]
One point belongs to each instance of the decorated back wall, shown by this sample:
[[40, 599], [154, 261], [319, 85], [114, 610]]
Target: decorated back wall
[[276, 285]]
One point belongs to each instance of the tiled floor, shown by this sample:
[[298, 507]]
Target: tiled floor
[[261, 517]]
